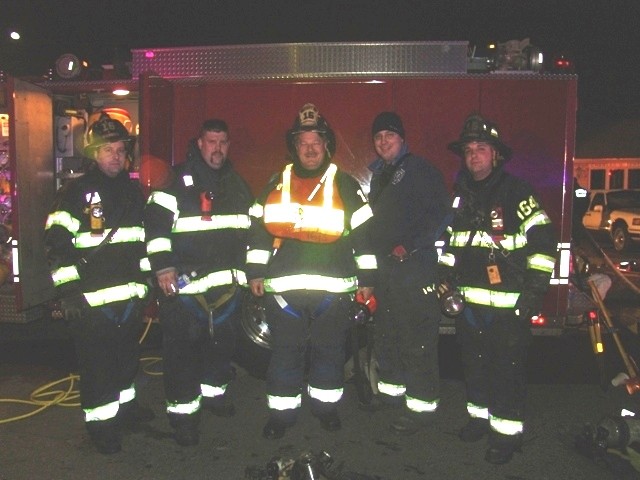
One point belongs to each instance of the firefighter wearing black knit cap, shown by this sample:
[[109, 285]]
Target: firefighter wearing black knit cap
[[500, 256], [409, 201], [307, 257]]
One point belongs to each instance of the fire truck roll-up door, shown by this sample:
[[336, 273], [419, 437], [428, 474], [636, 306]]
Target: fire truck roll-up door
[[32, 192], [536, 113]]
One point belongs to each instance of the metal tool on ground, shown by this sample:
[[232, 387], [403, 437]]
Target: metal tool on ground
[[633, 383]]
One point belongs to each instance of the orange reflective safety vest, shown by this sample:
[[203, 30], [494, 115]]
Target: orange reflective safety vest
[[305, 209]]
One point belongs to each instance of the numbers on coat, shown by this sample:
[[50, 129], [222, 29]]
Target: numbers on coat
[[526, 207]]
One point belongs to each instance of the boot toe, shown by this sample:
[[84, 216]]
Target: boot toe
[[501, 449], [499, 455], [219, 407], [410, 423], [377, 404], [474, 430], [275, 429], [186, 432], [329, 421]]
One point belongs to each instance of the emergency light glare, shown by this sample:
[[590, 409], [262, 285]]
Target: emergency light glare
[[68, 66], [538, 320], [121, 92], [149, 54]]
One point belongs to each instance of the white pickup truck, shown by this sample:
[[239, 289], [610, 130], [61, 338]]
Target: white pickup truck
[[616, 213]]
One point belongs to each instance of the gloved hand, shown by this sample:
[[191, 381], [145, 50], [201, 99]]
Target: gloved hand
[[73, 306], [399, 253], [529, 304]]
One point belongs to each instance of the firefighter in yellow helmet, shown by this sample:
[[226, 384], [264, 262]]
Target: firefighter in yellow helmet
[[500, 256], [308, 256], [95, 244]]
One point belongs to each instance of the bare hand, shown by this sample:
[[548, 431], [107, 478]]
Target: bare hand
[[366, 292], [257, 286], [168, 282]]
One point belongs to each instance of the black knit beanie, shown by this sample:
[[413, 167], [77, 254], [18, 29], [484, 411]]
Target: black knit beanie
[[387, 121]]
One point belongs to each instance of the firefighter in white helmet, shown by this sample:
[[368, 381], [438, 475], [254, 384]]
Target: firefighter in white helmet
[[308, 256], [95, 244], [500, 256]]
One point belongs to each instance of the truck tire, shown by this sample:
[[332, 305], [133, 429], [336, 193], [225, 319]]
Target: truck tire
[[620, 238], [254, 339]]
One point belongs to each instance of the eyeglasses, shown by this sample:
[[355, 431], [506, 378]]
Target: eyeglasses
[[312, 145]]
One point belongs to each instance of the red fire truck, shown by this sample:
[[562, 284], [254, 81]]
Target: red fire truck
[[258, 89]]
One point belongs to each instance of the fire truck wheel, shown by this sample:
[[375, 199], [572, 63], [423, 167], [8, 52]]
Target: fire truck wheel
[[620, 237], [254, 339]]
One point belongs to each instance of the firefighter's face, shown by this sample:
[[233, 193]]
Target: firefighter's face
[[388, 145], [310, 147], [214, 148], [111, 158], [479, 158]]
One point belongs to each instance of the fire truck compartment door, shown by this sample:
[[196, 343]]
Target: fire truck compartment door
[[31, 112]]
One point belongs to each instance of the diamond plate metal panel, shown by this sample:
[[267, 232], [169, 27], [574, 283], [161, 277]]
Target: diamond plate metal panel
[[302, 60]]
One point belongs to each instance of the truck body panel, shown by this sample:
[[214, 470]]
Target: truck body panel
[[535, 112], [30, 177]]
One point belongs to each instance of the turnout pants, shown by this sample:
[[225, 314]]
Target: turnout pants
[[494, 345], [196, 362], [406, 338], [311, 325], [107, 349]]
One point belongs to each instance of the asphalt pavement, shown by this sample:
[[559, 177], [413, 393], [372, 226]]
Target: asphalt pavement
[[37, 366]]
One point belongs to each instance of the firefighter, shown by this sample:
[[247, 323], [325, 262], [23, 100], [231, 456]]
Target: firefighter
[[308, 256], [95, 244], [196, 241], [500, 256], [409, 201]]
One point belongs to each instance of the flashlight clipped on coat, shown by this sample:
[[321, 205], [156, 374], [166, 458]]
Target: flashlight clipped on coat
[[451, 300]]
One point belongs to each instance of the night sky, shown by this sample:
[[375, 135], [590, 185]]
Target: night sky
[[602, 36]]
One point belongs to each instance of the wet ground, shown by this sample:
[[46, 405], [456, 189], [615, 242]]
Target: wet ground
[[43, 437], [52, 444]]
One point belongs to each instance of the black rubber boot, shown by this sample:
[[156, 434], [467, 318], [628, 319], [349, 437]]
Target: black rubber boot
[[275, 428], [502, 447], [219, 406], [379, 403], [186, 428], [411, 422], [474, 430], [132, 413], [105, 436], [329, 420]]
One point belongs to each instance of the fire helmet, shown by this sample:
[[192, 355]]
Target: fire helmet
[[477, 129], [106, 130], [310, 120]]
